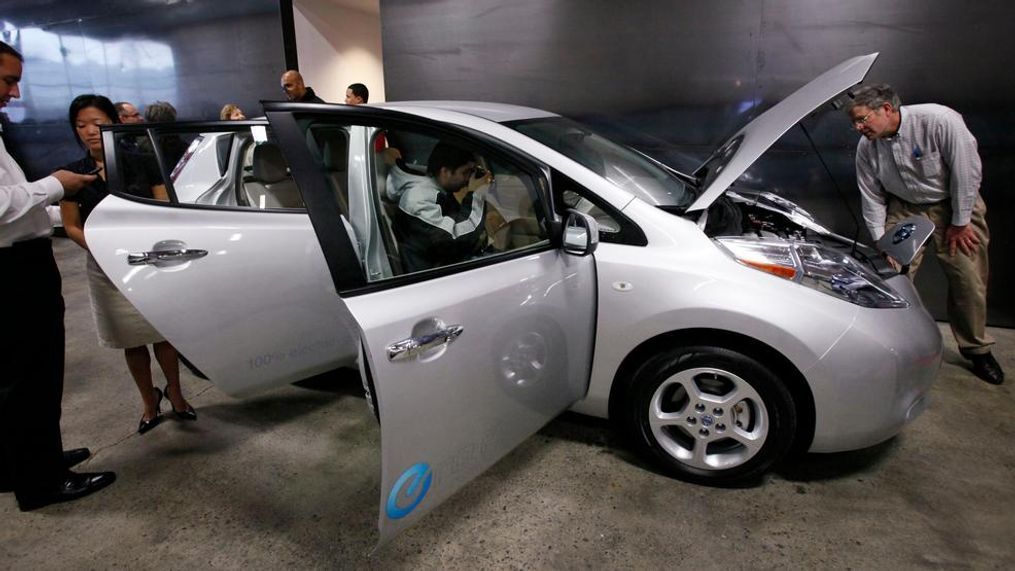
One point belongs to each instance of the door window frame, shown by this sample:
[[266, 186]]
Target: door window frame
[[311, 177], [114, 176]]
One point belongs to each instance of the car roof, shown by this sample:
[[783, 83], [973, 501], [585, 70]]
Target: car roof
[[497, 112]]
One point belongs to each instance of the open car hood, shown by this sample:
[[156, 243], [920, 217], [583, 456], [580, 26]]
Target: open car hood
[[738, 153]]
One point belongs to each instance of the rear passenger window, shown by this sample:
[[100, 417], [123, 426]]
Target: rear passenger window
[[241, 167]]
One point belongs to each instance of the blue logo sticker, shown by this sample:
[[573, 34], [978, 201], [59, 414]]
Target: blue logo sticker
[[409, 490], [904, 232]]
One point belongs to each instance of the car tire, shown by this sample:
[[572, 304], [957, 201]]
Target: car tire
[[708, 415]]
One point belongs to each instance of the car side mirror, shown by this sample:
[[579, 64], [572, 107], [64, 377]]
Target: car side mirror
[[581, 233]]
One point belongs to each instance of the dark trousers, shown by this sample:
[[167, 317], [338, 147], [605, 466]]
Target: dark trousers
[[31, 369]]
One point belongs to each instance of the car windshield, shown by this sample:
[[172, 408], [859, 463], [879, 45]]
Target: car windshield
[[618, 164]]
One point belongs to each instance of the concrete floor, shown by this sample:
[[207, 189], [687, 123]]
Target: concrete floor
[[291, 478]]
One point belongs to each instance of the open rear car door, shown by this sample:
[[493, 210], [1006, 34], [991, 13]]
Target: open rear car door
[[228, 269]]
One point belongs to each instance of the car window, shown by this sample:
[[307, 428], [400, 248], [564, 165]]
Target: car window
[[240, 167], [613, 226], [607, 224], [618, 164], [423, 202]]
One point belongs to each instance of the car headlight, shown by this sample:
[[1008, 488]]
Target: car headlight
[[816, 267]]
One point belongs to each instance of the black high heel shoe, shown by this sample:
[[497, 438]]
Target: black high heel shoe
[[186, 414], [146, 425]]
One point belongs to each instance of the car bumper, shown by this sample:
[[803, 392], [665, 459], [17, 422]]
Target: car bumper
[[876, 378]]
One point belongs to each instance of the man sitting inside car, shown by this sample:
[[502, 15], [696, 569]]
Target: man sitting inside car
[[440, 216]]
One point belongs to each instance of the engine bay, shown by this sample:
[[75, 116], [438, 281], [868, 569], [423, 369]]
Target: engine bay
[[760, 214]]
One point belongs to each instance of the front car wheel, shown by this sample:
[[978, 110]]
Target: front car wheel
[[708, 415]]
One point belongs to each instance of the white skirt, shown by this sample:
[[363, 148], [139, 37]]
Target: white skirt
[[117, 321]]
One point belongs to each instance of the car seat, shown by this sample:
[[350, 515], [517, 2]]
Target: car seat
[[271, 185]]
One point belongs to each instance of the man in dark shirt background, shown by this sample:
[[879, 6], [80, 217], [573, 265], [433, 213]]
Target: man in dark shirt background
[[296, 90]]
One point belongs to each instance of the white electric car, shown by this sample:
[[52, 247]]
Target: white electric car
[[718, 327]]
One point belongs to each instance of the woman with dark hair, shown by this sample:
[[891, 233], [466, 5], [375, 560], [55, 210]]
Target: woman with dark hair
[[118, 323]]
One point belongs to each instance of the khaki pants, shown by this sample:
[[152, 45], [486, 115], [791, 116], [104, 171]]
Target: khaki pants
[[967, 275]]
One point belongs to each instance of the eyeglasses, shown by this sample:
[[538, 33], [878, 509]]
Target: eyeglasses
[[863, 120]]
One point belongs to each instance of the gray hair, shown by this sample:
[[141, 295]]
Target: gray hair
[[874, 96], [160, 112]]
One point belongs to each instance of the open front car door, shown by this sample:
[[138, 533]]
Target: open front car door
[[477, 327]]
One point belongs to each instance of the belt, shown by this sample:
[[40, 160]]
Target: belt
[[26, 247], [40, 242]]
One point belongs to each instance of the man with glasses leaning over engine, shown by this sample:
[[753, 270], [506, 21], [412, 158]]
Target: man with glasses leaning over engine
[[921, 159]]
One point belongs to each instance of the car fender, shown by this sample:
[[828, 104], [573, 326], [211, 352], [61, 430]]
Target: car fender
[[648, 292]]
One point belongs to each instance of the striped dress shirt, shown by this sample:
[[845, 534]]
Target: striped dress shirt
[[932, 158]]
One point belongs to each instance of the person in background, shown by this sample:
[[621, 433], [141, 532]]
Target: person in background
[[33, 463], [296, 90], [922, 160], [118, 323], [357, 94], [172, 146], [231, 112], [160, 112], [128, 113]]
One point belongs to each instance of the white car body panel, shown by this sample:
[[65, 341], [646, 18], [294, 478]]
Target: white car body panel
[[496, 112], [198, 166]]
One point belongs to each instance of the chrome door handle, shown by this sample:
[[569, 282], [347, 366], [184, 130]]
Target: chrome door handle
[[162, 256], [413, 346]]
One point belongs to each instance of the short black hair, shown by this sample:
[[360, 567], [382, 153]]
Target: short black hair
[[361, 91], [100, 102], [448, 156], [7, 49]]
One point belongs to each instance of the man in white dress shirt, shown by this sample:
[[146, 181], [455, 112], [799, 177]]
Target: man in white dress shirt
[[921, 159], [33, 463]]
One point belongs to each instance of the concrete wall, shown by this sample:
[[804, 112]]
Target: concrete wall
[[338, 45]]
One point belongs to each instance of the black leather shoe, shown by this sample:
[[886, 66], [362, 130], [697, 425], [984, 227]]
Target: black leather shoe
[[987, 368], [146, 425], [71, 458], [187, 414], [76, 456], [74, 486]]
